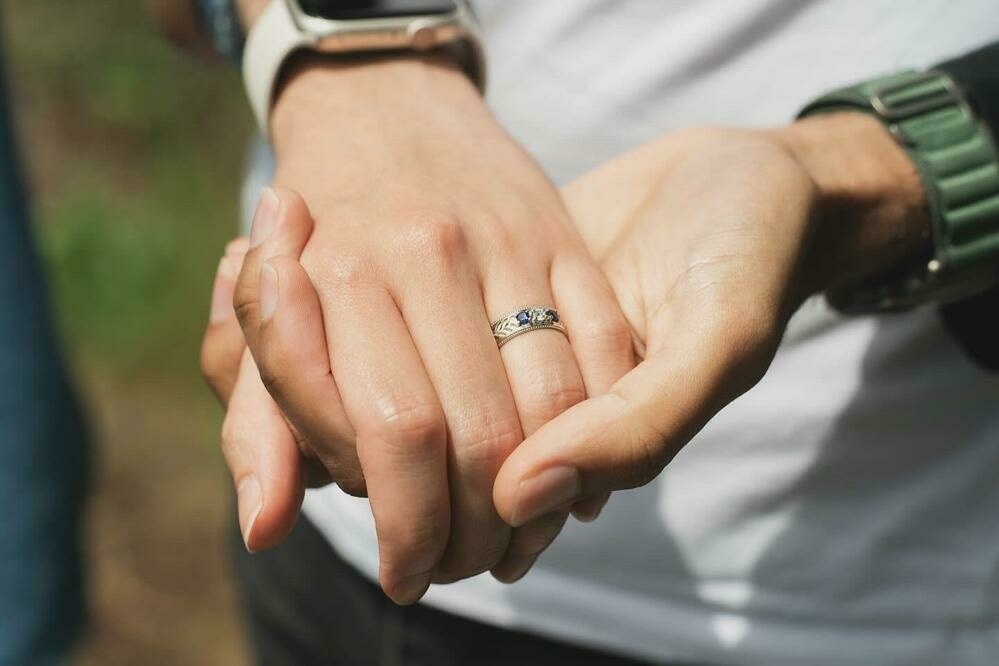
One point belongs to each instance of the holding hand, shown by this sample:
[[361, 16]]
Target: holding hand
[[711, 240], [437, 225]]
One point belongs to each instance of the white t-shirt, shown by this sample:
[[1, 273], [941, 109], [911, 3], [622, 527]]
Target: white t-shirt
[[845, 510]]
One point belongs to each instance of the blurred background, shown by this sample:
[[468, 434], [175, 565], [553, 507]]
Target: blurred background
[[134, 156]]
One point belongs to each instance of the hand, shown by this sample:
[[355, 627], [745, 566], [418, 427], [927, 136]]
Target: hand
[[711, 239], [435, 225]]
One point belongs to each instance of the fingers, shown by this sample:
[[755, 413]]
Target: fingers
[[545, 380], [223, 344], [600, 335], [588, 509], [401, 435], [601, 338], [441, 302], [540, 365], [527, 544], [282, 226], [295, 367], [602, 346], [622, 439], [281, 319], [264, 460], [258, 446]]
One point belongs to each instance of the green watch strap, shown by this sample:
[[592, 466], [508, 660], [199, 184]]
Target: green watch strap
[[959, 165]]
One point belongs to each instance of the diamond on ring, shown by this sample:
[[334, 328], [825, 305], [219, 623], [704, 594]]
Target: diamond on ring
[[524, 320]]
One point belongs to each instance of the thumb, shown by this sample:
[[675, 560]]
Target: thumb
[[282, 226], [622, 439]]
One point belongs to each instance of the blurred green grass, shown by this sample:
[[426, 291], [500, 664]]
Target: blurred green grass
[[134, 151]]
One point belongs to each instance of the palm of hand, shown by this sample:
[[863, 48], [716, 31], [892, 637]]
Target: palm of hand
[[700, 234]]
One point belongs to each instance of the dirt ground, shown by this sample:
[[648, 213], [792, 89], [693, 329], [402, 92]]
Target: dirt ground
[[159, 586]]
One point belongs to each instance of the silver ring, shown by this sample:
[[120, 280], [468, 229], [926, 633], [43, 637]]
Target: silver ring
[[527, 319]]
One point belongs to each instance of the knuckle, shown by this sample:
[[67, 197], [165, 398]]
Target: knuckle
[[413, 546], [608, 333], [510, 249], [550, 395], [247, 312], [272, 379], [244, 293], [343, 273], [411, 422], [488, 437], [272, 368], [564, 396], [433, 236]]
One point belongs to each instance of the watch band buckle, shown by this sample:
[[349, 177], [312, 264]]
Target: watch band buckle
[[893, 110]]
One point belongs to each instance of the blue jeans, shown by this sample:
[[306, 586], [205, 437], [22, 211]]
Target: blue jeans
[[42, 448]]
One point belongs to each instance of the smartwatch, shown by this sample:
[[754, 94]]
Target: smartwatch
[[339, 27], [958, 162]]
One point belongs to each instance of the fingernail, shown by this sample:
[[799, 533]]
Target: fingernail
[[268, 291], [411, 589], [265, 217], [221, 294], [545, 492], [249, 503]]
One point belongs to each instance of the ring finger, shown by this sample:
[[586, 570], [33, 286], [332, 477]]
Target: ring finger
[[545, 380]]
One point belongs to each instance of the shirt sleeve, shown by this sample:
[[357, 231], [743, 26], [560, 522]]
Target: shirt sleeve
[[972, 322]]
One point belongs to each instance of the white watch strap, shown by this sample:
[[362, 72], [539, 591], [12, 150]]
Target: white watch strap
[[273, 38]]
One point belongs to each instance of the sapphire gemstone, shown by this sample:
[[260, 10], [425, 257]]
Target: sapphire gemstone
[[553, 316], [523, 318]]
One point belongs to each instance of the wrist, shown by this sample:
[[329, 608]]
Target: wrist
[[871, 213], [371, 98]]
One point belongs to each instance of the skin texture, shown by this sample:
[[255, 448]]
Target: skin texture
[[437, 224], [710, 240]]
